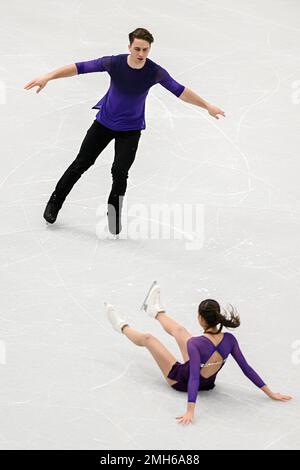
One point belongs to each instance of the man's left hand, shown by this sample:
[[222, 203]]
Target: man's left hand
[[214, 111]]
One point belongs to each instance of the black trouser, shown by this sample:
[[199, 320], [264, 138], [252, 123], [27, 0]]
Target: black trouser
[[96, 139]]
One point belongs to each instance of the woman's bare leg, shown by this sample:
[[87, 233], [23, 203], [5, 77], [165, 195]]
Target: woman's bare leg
[[179, 332], [160, 353]]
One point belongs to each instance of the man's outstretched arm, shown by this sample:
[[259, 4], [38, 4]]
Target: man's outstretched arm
[[41, 82], [191, 97]]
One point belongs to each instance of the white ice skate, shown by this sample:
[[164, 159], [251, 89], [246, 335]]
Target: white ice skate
[[151, 304], [116, 321]]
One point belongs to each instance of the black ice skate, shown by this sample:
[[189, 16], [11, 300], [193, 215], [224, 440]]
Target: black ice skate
[[53, 207]]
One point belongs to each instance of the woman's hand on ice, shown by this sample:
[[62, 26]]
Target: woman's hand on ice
[[187, 418], [280, 397]]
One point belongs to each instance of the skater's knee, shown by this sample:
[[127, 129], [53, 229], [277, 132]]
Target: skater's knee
[[80, 165], [147, 338]]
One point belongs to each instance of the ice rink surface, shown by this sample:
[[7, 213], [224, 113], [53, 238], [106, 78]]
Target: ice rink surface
[[68, 381]]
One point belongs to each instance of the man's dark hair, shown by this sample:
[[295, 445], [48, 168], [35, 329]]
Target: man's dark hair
[[141, 33]]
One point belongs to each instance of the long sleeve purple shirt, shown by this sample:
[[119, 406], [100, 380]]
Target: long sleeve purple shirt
[[200, 349], [123, 106]]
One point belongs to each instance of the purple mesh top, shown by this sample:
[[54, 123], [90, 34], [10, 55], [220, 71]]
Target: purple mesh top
[[200, 349], [123, 106]]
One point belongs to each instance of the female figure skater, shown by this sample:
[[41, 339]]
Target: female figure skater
[[121, 117], [203, 356]]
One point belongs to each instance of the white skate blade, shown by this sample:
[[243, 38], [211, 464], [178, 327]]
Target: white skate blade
[[111, 236], [144, 304]]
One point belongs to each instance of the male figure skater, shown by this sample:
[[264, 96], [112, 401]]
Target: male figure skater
[[121, 116]]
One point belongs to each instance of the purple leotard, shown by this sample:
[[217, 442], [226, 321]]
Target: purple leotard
[[200, 349], [123, 106]]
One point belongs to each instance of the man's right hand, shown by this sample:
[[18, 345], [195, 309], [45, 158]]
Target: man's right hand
[[41, 82]]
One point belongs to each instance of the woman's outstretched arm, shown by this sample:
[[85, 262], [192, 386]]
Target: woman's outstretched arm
[[252, 375]]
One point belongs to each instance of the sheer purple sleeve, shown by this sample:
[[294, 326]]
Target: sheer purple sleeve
[[194, 377], [102, 64], [164, 78], [246, 368]]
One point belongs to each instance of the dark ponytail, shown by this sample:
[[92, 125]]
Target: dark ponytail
[[211, 312]]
